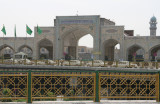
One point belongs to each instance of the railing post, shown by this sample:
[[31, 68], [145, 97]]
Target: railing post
[[80, 62], [97, 86], [116, 63], [156, 65], [2, 60], [69, 62], [58, 62], [36, 61], [13, 61], [104, 63], [142, 64], [29, 87]]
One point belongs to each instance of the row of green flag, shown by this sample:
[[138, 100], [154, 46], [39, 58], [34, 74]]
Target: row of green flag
[[28, 30]]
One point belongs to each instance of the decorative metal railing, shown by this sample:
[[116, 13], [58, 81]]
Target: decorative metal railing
[[13, 85], [50, 85], [78, 85], [128, 85]]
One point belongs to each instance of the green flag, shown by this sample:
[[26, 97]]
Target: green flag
[[15, 32], [39, 31], [3, 30], [28, 30]]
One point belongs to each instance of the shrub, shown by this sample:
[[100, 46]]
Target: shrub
[[6, 92]]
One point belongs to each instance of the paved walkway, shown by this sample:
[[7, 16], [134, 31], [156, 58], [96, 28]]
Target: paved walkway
[[90, 102]]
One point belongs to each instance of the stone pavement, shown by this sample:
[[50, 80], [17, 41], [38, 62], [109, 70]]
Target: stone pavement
[[90, 102]]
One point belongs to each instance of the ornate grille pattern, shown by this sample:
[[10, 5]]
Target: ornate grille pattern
[[64, 84], [13, 85], [128, 85]]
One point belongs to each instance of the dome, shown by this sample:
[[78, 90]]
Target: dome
[[153, 19]]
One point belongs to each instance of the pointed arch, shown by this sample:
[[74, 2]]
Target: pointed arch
[[7, 53], [109, 52], [23, 46], [153, 52], [44, 42], [135, 52], [47, 45], [4, 46], [70, 39]]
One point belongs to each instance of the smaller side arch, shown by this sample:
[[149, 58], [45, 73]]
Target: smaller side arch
[[6, 51], [23, 46], [47, 45], [154, 52], [135, 53], [26, 49], [4, 46]]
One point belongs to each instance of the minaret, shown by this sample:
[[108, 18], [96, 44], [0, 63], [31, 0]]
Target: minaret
[[153, 27]]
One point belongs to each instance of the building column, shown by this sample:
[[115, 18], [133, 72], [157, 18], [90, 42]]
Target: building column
[[146, 56]]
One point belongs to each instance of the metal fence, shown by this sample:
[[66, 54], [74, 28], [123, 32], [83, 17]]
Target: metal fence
[[71, 85]]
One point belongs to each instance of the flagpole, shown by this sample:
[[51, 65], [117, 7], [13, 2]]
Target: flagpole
[[3, 50], [14, 40], [26, 41]]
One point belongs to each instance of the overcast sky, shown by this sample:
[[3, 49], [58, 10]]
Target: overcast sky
[[133, 14]]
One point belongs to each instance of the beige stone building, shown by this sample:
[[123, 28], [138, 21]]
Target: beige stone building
[[63, 37]]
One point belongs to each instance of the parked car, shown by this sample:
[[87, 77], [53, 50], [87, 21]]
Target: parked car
[[72, 63], [96, 63], [124, 64], [51, 62]]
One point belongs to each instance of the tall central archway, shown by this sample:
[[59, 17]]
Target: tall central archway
[[70, 42]]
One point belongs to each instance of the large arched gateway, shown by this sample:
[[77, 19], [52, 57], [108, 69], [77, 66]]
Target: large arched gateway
[[70, 30]]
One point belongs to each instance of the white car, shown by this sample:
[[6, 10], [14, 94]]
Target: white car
[[96, 63], [41, 63], [124, 64], [10, 61], [72, 63], [51, 62]]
